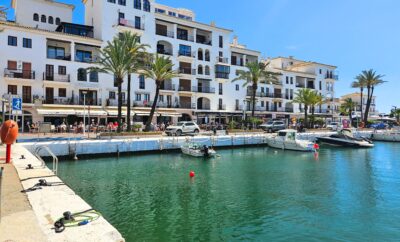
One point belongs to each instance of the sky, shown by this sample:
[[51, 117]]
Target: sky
[[353, 35]]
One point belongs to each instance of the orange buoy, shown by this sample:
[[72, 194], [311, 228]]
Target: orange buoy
[[9, 134], [316, 146], [191, 174]]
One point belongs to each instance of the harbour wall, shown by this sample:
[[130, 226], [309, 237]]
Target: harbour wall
[[113, 145]]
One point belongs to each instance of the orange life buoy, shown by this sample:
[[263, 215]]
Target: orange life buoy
[[9, 132]]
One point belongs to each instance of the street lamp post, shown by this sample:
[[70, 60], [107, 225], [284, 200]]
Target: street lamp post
[[84, 111]]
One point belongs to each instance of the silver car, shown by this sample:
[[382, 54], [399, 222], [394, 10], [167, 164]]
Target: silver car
[[273, 126], [180, 128]]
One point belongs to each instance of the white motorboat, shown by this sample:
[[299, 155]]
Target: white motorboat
[[198, 150], [392, 135], [287, 140], [345, 138]]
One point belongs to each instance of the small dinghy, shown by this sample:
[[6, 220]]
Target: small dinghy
[[198, 150], [287, 140]]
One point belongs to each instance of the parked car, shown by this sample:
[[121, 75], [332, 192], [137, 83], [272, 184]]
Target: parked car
[[333, 126], [183, 128], [273, 126]]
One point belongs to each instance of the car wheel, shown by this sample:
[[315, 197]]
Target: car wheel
[[196, 131], [269, 130], [178, 133]]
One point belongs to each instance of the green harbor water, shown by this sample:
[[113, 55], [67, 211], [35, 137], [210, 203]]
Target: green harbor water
[[256, 193]]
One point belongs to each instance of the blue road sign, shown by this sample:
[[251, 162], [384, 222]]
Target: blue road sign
[[16, 104]]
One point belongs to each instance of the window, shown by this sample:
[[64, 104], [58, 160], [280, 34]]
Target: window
[[58, 21], [26, 94], [82, 75], [142, 82], [262, 104], [222, 71], [43, 19], [237, 87], [207, 55], [287, 80], [262, 89], [320, 71], [207, 70], [138, 97], [200, 70], [220, 105], [320, 85], [161, 98], [185, 50], [111, 95], [220, 88], [291, 80], [62, 70], [27, 43], [35, 17], [94, 76], [137, 4], [83, 56], [138, 24], [62, 92], [147, 97], [122, 2], [12, 40], [12, 89], [51, 20], [121, 15], [173, 14], [158, 10], [221, 41], [55, 52], [111, 1], [146, 5]]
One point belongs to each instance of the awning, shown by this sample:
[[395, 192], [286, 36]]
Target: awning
[[114, 112], [56, 112], [169, 114], [80, 112]]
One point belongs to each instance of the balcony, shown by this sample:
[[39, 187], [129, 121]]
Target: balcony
[[56, 77], [165, 51], [168, 87], [113, 102], [221, 107], [19, 74], [170, 34], [200, 89], [187, 71], [204, 42], [131, 24], [239, 108], [88, 101], [186, 53], [164, 105], [265, 94], [58, 100], [222, 75], [185, 37], [222, 60], [331, 76], [186, 105], [237, 62]]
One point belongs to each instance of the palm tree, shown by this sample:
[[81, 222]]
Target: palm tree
[[347, 107], [255, 74], [116, 60], [315, 100], [371, 80], [360, 83], [304, 96], [160, 70], [136, 50], [395, 112]]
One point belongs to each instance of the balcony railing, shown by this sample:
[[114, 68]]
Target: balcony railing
[[300, 85], [60, 57], [19, 73], [186, 53], [170, 34], [222, 60], [185, 105], [88, 101], [203, 89], [184, 89], [238, 107], [265, 94], [185, 37], [56, 77], [58, 100], [222, 75], [131, 24], [142, 103], [91, 59], [206, 42], [221, 107], [186, 70], [168, 87], [331, 76], [111, 102], [164, 105], [204, 107], [165, 51], [237, 62]]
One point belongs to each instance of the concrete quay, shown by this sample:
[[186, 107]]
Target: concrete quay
[[30, 216]]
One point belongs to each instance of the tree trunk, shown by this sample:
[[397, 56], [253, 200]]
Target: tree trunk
[[128, 104], [119, 121], [305, 115], [369, 100], [253, 99], [312, 116], [351, 119], [153, 108], [367, 105], [361, 102]]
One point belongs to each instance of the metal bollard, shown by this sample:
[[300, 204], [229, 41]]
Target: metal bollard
[[1, 177]]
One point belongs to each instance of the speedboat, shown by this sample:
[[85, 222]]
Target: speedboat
[[392, 135], [198, 150], [345, 138], [287, 140]]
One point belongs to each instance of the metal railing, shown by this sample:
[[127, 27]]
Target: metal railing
[[56, 77], [131, 24], [186, 53], [187, 70], [55, 158], [19, 73], [203, 89], [223, 60], [331, 76], [170, 34], [222, 75], [185, 37], [165, 51], [168, 87], [221, 107], [206, 42]]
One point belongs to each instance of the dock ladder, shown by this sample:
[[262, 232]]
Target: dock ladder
[[55, 158]]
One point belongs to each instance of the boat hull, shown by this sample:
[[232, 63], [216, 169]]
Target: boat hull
[[386, 136], [344, 143], [197, 153], [291, 145]]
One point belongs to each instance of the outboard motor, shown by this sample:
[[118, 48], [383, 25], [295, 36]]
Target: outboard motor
[[205, 149]]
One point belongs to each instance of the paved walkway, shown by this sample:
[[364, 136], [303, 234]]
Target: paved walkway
[[18, 221]]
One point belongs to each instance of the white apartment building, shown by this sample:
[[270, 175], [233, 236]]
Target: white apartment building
[[44, 57], [356, 97]]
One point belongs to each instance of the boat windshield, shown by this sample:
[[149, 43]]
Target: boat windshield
[[347, 132], [282, 134]]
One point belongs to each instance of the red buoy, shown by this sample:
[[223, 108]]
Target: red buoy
[[316, 146], [191, 174], [9, 134]]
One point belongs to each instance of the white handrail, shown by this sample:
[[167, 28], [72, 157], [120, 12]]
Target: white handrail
[[55, 158]]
